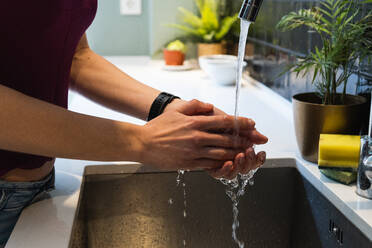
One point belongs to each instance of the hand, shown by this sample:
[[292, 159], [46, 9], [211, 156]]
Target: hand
[[186, 138], [244, 161]]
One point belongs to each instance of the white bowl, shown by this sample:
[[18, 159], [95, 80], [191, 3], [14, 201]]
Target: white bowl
[[220, 68]]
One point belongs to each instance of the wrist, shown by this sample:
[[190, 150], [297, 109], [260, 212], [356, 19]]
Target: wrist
[[159, 104], [174, 105], [134, 139]]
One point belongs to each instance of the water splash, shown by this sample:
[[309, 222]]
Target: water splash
[[235, 189], [179, 176]]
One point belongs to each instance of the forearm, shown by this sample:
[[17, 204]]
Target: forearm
[[32, 126], [99, 80]]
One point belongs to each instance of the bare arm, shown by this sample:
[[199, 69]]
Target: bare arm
[[102, 82], [175, 140], [99, 80], [32, 126]]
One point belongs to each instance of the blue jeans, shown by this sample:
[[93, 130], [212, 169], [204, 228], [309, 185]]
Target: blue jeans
[[14, 197]]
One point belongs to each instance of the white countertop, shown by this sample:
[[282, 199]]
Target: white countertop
[[48, 223]]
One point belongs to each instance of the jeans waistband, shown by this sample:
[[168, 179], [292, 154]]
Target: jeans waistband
[[47, 182]]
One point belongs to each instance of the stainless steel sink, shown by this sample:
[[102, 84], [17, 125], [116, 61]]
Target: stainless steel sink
[[282, 209]]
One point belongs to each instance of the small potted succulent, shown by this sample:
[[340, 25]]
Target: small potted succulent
[[174, 53], [346, 37], [208, 29]]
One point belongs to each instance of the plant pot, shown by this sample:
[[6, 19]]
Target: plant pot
[[173, 57], [233, 49], [211, 49], [311, 118]]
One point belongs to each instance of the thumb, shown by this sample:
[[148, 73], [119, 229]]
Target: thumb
[[196, 107]]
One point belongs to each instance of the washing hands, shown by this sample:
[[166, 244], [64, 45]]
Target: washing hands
[[196, 135]]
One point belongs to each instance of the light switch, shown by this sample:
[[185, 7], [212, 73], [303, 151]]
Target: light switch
[[130, 7]]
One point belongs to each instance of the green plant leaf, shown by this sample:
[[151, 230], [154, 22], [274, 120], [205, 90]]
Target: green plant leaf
[[351, 17], [212, 5], [316, 70], [206, 26], [338, 11], [209, 18], [226, 25], [331, 3], [190, 18], [184, 28], [324, 12], [209, 37], [199, 5]]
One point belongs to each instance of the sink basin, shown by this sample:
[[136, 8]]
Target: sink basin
[[282, 209]]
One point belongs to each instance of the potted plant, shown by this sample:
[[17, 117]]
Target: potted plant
[[346, 38], [174, 53], [208, 29]]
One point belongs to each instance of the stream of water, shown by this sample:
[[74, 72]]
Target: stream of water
[[235, 188]]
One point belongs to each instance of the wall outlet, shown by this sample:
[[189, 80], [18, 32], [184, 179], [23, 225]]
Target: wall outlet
[[130, 7]]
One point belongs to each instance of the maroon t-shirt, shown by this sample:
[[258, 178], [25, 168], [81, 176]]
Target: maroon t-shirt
[[37, 43]]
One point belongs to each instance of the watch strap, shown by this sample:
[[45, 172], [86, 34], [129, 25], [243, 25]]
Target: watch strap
[[159, 104]]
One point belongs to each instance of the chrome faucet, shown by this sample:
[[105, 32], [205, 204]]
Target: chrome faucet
[[249, 10], [364, 182]]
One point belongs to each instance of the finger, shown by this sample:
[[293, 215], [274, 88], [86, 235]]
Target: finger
[[220, 172], [255, 137], [217, 153], [225, 122], [250, 161], [225, 140], [195, 107], [261, 159], [255, 161], [218, 111], [238, 162]]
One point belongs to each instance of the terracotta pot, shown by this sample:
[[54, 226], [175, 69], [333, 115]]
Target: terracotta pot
[[311, 118], [173, 57], [211, 49]]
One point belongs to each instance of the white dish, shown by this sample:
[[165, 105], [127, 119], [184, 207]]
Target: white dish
[[220, 68], [184, 67]]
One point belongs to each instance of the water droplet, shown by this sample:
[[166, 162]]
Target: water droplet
[[181, 180]]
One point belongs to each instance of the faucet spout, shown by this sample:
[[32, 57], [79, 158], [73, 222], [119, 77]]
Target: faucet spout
[[250, 9], [364, 182]]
